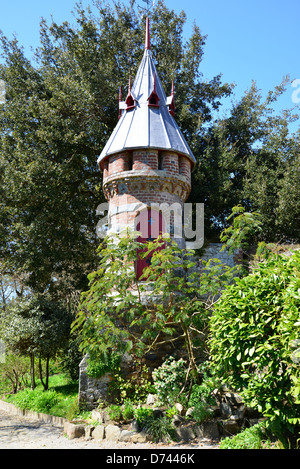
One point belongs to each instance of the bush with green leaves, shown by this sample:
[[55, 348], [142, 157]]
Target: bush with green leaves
[[36, 400], [123, 321], [202, 400], [14, 373], [134, 389], [99, 365], [128, 410], [251, 438], [254, 327], [160, 429], [169, 379], [142, 415], [115, 413]]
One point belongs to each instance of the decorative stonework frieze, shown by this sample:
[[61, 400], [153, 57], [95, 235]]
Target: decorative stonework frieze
[[152, 183]]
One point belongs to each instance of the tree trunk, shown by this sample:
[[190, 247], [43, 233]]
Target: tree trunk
[[189, 346], [47, 373], [32, 375], [46, 382]]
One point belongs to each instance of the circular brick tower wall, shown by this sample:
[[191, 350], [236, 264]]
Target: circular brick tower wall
[[136, 179]]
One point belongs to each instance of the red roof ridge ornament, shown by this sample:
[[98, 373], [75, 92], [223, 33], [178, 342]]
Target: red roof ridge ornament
[[130, 99], [147, 36]]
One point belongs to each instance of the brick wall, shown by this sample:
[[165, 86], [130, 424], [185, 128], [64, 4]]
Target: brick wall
[[118, 163], [185, 167], [145, 160], [170, 162]]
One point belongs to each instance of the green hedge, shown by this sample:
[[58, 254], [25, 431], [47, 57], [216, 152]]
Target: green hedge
[[254, 330]]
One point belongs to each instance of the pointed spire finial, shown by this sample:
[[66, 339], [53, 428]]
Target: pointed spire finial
[[147, 38]]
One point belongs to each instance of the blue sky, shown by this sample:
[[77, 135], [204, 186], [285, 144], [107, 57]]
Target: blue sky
[[247, 40]]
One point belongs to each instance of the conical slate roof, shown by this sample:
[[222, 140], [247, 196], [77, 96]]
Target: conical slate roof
[[144, 122]]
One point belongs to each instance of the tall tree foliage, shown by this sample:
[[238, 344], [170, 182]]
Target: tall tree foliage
[[59, 111], [250, 158]]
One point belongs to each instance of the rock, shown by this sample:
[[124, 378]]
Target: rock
[[88, 431], [126, 435], [134, 437], [112, 432], [185, 432], [216, 411], [233, 399], [73, 430], [189, 412], [179, 408], [97, 416], [231, 427], [225, 410], [151, 399], [140, 437], [134, 426], [157, 413], [99, 432], [207, 430], [177, 420]]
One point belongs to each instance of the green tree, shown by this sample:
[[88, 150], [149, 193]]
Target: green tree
[[59, 111], [119, 314], [247, 158], [36, 327]]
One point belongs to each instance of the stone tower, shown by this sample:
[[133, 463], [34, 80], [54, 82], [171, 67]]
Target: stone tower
[[146, 161]]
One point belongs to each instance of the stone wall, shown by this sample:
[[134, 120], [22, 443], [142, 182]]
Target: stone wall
[[91, 390], [213, 251]]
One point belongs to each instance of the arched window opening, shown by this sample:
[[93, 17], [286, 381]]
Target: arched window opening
[[160, 161], [153, 100], [150, 223], [129, 160], [129, 102]]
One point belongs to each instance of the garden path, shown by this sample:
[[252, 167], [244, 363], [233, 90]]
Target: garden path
[[18, 432]]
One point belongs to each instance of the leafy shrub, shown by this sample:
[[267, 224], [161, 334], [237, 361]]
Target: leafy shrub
[[143, 415], [171, 412], [134, 389], [160, 429], [201, 394], [45, 401], [128, 410], [169, 379], [201, 412], [99, 365], [251, 438], [36, 400], [253, 329], [14, 373], [115, 413]]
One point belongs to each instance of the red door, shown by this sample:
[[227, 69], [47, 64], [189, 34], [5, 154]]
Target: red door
[[150, 223]]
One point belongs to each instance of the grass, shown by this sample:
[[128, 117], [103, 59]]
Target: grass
[[60, 400], [251, 438]]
